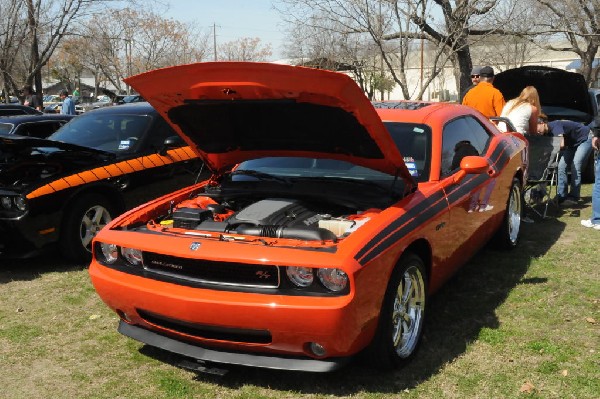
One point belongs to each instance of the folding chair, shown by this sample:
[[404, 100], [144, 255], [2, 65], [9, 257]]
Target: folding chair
[[544, 153], [503, 124]]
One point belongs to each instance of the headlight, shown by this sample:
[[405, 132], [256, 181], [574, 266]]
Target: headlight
[[6, 202], [21, 203], [110, 252], [300, 276], [14, 203], [133, 256], [333, 279]]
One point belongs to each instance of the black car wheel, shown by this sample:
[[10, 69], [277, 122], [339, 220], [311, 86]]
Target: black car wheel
[[83, 220], [507, 236], [402, 315]]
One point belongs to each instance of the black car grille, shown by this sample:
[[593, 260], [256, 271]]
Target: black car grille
[[207, 332], [212, 272]]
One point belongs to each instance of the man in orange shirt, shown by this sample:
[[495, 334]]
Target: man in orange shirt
[[485, 97]]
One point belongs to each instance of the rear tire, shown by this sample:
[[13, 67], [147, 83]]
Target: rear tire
[[507, 236], [402, 315], [85, 217]]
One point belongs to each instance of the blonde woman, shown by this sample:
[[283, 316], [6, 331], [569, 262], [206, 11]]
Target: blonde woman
[[524, 110]]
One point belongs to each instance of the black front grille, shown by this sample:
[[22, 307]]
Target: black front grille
[[212, 272], [206, 331]]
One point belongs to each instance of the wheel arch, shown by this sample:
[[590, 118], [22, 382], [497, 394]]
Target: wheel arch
[[108, 191], [421, 248]]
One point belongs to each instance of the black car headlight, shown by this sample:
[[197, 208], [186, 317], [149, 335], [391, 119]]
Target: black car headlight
[[14, 203]]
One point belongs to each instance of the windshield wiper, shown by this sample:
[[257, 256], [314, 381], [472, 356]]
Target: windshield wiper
[[259, 175]]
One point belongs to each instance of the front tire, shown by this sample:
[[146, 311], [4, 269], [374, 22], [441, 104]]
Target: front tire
[[82, 221], [402, 315], [508, 235]]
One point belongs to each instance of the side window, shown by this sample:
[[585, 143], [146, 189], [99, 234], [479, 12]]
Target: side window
[[159, 132], [461, 137], [40, 130]]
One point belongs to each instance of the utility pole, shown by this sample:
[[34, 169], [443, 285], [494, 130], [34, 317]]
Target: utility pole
[[215, 40]]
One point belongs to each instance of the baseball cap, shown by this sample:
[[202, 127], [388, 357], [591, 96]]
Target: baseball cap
[[487, 71], [476, 70]]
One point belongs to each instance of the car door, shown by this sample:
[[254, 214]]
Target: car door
[[162, 170], [471, 201]]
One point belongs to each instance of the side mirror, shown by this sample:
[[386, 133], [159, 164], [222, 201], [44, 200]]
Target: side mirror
[[171, 142], [470, 165]]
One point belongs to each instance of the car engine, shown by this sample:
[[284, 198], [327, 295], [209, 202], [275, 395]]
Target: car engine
[[269, 217]]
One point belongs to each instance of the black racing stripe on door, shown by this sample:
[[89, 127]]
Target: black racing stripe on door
[[470, 183], [436, 201], [500, 156], [404, 225]]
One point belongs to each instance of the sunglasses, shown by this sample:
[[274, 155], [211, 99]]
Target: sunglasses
[[474, 76]]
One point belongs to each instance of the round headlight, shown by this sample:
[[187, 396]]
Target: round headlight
[[333, 279], [300, 276], [133, 256], [110, 252], [21, 203], [6, 202]]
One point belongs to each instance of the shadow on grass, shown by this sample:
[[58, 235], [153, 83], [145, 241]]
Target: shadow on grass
[[32, 268], [457, 314]]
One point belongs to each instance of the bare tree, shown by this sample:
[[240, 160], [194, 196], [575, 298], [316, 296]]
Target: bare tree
[[125, 42], [12, 36], [578, 21], [245, 49], [398, 28]]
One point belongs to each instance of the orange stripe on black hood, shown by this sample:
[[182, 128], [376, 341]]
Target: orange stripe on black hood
[[114, 170]]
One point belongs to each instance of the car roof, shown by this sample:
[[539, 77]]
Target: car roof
[[34, 118], [134, 108], [26, 108]]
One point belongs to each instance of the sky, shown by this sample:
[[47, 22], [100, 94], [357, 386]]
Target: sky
[[232, 19]]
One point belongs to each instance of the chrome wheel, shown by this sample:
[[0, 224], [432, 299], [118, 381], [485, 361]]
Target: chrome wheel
[[94, 219], [402, 316], [408, 310], [514, 214]]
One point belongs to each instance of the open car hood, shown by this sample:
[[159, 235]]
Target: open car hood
[[230, 112], [563, 94]]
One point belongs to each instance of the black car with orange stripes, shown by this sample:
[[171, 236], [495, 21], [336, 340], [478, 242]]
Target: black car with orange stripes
[[65, 188]]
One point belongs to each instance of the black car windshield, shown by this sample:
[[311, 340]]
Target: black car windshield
[[115, 133]]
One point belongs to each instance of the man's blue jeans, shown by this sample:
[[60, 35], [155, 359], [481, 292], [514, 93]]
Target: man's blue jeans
[[596, 190], [573, 158]]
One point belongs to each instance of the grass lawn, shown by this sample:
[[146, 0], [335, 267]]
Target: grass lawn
[[518, 324]]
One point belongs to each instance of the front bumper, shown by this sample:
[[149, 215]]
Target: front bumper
[[222, 326], [227, 357]]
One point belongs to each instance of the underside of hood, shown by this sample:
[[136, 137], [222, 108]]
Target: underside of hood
[[230, 112], [557, 88]]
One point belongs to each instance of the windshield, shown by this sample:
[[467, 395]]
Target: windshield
[[116, 133], [414, 142], [297, 167], [326, 179]]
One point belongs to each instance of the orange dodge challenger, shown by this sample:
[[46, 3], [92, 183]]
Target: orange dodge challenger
[[326, 224]]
